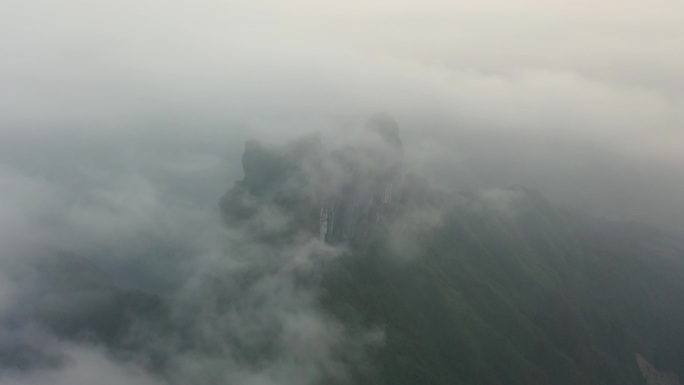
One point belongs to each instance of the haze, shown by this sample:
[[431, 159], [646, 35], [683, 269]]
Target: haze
[[122, 122]]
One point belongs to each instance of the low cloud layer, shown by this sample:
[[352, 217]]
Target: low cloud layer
[[122, 123], [582, 101]]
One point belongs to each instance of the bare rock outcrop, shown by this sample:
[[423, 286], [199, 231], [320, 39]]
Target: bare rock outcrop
[[338, 195]]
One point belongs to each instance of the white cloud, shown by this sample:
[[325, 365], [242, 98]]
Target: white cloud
[[83, 365]]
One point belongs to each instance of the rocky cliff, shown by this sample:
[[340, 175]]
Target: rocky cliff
[[337, 194]]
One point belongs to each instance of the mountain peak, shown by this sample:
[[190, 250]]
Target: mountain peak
[[338, 193], [384, 125]]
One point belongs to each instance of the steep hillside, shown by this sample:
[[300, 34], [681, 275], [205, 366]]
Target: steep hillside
[[529, 295], [491, 287], [335, 267]]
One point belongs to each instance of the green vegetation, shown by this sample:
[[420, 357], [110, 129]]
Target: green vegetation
[[527, 295]]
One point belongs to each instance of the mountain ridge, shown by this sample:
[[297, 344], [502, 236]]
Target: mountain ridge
[[520, 290], [340, 268]]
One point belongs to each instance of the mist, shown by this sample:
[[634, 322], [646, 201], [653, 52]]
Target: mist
[[122, 124]]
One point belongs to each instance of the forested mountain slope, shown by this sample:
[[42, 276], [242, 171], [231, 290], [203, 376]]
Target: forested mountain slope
[[488, 287], [336, 267]]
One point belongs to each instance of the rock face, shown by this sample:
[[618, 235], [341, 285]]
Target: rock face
[[368, 176], [476, 287], [653, 376], [338, 195]]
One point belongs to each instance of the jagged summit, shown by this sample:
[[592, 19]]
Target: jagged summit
[[339, 194], [385, 125]]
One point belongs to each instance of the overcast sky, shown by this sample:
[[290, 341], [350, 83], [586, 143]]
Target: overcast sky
[[572, 97], [148, 103]]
